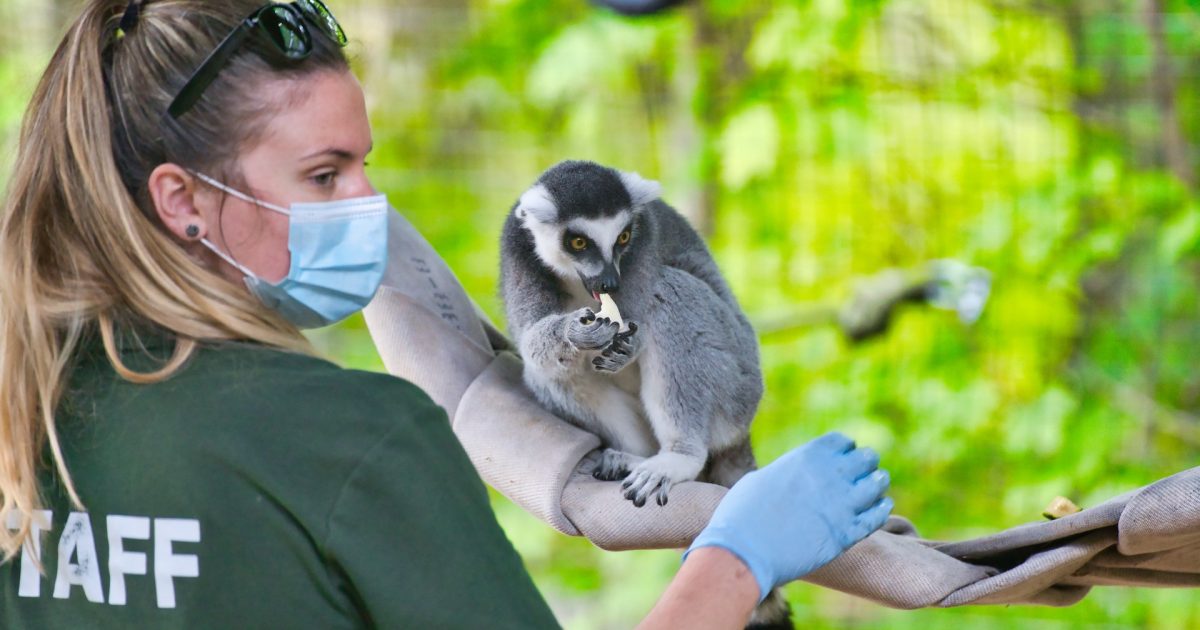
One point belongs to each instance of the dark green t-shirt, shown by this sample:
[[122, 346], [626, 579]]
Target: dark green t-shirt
[[262, 489]]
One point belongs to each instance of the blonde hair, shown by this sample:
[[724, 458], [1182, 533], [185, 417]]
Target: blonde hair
[[81, 245]]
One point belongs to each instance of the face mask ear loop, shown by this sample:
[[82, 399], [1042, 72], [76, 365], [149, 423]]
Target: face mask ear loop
[[229, 259], [240, 195]]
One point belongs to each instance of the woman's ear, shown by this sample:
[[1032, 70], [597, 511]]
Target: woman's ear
[[173, 191]]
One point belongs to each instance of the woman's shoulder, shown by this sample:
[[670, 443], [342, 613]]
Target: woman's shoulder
[[304, 385], [246, 388], [250, 360]]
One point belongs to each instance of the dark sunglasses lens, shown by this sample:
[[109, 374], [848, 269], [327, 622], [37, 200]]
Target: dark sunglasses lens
[[323, 16], [286, 31]]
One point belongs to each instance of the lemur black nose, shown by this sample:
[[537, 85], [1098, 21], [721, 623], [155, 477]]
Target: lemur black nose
[[609, 279]]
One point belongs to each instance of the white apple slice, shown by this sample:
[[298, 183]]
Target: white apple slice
[[608, 308]]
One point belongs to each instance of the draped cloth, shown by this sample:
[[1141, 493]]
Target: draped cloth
[[428, 331]]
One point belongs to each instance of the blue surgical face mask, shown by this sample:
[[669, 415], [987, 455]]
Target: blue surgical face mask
[[339, 251]]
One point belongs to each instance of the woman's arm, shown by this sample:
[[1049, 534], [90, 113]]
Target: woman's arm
[[775, 525], [499, 423], [713, 589]]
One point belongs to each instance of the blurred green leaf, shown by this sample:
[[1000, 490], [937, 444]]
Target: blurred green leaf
[[749, 146], [1181, 234]]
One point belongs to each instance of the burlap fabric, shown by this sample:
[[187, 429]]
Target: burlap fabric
[[428, 331]]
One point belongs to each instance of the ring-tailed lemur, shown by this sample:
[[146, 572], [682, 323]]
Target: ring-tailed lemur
[[672, 398]]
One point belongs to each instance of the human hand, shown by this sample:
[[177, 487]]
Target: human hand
[[801, 511], [585, 331]]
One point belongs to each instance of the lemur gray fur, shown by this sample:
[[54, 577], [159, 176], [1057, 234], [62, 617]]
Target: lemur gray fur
[[672, 398]]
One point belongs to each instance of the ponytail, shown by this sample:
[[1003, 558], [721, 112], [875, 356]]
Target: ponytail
[[81, 247]]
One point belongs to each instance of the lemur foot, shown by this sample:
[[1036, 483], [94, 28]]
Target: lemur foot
[[615, 465], [656, 475], [620, 352], [585, 331]]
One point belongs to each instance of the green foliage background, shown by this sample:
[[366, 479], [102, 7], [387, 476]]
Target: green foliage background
[[814, 142]]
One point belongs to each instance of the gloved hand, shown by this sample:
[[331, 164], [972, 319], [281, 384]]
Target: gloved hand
[[801, 511]]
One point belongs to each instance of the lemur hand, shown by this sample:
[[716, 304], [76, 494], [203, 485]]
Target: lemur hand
[[620, 352], [587, 332], [801, 511]]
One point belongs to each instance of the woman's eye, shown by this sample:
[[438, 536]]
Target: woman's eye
[[579, 243], [623, 238], [323, 179]]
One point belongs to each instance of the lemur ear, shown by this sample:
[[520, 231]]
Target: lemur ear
[[641, 190], [537, 202]]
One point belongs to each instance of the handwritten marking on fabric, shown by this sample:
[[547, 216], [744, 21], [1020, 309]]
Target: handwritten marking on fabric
[[440, 300]]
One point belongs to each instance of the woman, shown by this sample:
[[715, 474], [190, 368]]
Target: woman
[[189, 193]]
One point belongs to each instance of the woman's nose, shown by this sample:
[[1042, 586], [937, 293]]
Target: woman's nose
[[361, 187]]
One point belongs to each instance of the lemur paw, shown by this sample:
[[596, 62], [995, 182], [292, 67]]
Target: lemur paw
[[620, 352], [655, 476], [585, 331], [615, 465]]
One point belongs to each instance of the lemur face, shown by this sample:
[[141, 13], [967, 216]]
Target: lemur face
[[587, 249], [581, 216], [595, 247]]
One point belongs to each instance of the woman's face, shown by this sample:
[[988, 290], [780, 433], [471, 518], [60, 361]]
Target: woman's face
[[313, 149]]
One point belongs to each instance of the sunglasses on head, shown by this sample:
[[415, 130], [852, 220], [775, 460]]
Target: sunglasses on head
[[280, 24]]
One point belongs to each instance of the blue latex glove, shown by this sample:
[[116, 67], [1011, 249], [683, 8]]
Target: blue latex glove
[[801, 511]]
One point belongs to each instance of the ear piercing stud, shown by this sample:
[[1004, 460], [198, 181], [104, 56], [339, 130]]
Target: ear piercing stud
[[192, 231]]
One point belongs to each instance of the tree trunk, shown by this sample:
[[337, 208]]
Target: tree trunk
[[1175, 149], [709, 87]]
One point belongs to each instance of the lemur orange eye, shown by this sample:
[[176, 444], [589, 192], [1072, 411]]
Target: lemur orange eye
[[624, 237], [579, 243]]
